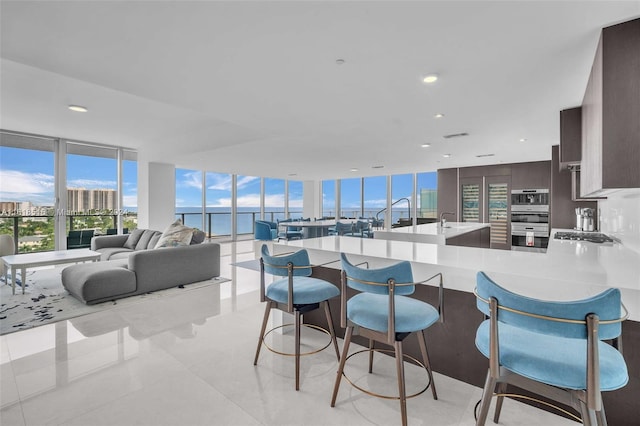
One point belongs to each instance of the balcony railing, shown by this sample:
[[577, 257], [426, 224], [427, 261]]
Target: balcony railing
[[218, 224], [36, 233]]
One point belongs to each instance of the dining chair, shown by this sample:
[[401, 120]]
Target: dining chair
[[343, 228], [297, 293], [7, 247], [551, 348], [289, 232], [265, 230], [382, 311]]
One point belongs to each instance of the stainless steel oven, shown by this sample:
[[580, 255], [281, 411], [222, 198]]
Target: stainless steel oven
[[530, 219]]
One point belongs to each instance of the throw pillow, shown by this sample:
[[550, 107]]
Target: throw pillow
[[143, 242], [175, 235], [198, 236], [133, 239]]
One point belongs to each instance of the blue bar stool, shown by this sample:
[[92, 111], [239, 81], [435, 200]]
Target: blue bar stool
[[383, 312], [553, 349], [296, 294]]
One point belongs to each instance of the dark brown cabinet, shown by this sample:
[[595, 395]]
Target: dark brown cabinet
[[562, 207], [533, 175], [611, 113], [448, 193], [570, 137]]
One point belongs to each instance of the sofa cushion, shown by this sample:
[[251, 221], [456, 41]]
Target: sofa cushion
[[145, 239], [175, 235], [122, 255], [108, 253], [154, 240], [95, 282], [133, 239]]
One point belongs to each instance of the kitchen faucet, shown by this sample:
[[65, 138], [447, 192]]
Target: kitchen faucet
[[443, 221]]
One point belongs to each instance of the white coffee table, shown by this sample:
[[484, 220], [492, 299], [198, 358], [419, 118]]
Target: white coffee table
[[45, 258]]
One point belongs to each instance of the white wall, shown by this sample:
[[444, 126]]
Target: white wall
[[310, 199], [156, 195], [620, 217]]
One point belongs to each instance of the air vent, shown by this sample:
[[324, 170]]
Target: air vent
[[455, 135], [485, 155]]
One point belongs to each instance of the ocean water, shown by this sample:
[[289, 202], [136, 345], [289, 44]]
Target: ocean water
[[220, 218]]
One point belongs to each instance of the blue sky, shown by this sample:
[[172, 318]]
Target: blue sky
[[27, 175]]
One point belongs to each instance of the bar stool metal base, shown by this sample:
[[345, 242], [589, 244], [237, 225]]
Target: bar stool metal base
[[368, 392], [325, 331]]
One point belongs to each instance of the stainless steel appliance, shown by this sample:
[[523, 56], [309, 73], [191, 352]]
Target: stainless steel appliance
[[530, 219], [585, 219], [592, 237]]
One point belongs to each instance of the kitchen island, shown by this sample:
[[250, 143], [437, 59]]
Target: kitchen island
[[569, 270], [453, 233]]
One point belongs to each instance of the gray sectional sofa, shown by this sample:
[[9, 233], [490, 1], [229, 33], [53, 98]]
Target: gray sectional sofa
[[131, 265]]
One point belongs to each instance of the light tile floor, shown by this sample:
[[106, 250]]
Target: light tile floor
[[188, 360]]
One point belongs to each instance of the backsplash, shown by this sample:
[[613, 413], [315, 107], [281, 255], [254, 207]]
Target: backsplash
[[620, 217]]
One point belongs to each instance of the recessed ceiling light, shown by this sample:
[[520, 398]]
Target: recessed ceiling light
[[292, 174], [377, 167], [438, 115], [446, 155], [523, 140], [340, 61], [78, 108], [430, 78], [354, 170], [425, 145]]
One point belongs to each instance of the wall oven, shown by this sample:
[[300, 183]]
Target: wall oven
[[530, 219]]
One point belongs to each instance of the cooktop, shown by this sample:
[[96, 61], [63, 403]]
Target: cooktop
[[592, 237]]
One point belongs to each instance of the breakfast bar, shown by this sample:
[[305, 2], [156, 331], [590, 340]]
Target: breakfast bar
[[569, 270]]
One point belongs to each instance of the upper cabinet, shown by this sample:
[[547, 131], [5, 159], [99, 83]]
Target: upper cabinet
[[611, 113], [570, 137], [533, 175]]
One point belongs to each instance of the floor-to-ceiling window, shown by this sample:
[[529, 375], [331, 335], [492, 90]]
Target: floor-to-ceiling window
[[218, 195], [329, 198], [129, 191], [92, 196], [81, 194], [274, 199], [401, 198], [351, 198], [248, 202], [427, 190], [295, 195], [27, 191], [189, 197], [374, 197]]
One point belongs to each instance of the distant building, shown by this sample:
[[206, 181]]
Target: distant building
[[81, 199], [428, 203]]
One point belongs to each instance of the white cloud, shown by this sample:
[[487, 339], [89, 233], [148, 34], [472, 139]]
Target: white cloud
[[245, 180], [249, 200], [92, 184], [21, 183], [376, 203], [191, 180], [219, 182], [130, 200]]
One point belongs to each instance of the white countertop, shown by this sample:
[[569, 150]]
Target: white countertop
[[569, 270], [430, 232]]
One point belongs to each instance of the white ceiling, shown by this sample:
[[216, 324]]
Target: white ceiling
[[254, 88]]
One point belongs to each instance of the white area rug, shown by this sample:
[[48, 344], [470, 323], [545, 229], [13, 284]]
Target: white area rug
[[46, 301]]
